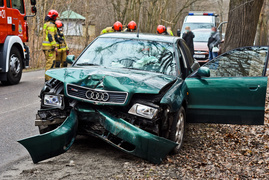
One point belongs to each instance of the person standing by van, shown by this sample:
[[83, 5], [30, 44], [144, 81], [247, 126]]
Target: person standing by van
[[188, 37], [213, 41]]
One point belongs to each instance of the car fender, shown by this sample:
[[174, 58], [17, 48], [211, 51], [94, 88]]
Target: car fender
[[52, 143], [175, 96]]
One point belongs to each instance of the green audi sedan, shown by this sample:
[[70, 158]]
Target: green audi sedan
[[138, 91]]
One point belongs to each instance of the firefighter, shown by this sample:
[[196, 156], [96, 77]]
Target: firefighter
[[117, 27], [63, 49], [49, 45], [169, 31], [163, 30], [131, 27]]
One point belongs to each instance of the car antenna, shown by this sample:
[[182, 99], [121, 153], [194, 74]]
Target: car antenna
[[138, 31], [139, 21]]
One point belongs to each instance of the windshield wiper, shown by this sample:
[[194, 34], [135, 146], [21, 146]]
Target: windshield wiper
[[87, 64]]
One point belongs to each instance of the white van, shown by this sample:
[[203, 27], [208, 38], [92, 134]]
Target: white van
[[200, 20]]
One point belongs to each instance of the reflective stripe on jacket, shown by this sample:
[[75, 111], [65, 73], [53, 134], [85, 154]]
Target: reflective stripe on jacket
[[170, 32], [49, 30]]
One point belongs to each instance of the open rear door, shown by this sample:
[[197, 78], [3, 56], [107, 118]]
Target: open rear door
[[235, 91]]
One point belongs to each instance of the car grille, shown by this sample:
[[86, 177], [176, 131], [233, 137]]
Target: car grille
[[95, 95]]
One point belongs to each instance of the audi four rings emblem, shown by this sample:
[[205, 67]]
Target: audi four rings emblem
[[97, 95]]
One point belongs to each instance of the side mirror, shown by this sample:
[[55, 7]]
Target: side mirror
[[203, 72], [33, 9], [70, 59], [33, 2], [195, 66]]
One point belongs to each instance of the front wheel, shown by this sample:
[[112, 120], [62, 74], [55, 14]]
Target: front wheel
[[177, 130], [15, 67]]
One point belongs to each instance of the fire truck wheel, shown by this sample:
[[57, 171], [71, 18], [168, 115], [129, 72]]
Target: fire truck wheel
[[15, 67]]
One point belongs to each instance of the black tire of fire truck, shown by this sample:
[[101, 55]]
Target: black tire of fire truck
[[177, 130], [15, 67]]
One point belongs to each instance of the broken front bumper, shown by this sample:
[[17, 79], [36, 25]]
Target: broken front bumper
[[145, 145], [52, 143], [118, 133]]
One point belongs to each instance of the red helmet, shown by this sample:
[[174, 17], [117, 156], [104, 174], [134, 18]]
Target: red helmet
[[53, 14], [131, 25], [117, 26], [161, 29], [59, 24]]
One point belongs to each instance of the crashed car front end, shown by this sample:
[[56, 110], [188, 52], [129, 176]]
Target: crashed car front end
[[129, 100], [136, 123]]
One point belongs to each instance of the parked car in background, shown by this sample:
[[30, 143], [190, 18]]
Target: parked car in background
[[200, 45]]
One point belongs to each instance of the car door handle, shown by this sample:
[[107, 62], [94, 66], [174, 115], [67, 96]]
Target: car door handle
[[254, 87]]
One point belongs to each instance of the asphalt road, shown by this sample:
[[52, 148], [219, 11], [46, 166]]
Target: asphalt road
[[18, 106]]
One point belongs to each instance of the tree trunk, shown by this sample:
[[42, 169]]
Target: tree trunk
[[242, 23], [262, 29]]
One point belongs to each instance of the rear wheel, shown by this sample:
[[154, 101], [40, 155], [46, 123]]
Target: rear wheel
[[178, 129], [15, 67]]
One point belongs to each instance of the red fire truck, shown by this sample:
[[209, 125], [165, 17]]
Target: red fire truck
[[14, 54]]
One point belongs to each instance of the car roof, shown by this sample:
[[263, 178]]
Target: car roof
[[142, 36]]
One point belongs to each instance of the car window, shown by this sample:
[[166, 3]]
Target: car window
[[1, 2], [8, 3], [247, 61], [201, 36], [197, 26], [132, 54], [18, 4]]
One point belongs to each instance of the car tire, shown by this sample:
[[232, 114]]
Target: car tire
[[177, 130], [15, 68]]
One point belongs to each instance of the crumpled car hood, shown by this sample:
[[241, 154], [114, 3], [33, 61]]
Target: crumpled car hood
[[113, 79]]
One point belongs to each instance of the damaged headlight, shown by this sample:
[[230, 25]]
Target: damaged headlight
[[144, 111], [53, 100]]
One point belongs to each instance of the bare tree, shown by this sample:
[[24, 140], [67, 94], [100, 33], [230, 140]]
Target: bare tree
[[263, 26], [242, 23]]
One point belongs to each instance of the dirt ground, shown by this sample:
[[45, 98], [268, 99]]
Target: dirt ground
[[209, 152]]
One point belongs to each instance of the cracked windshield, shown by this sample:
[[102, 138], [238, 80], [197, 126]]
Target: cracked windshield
[[132, 54]]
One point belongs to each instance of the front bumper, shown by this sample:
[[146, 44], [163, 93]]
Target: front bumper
[[52, 143], [117, 132], [145, 145]]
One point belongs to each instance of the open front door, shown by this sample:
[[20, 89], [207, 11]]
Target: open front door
[[235, 91]]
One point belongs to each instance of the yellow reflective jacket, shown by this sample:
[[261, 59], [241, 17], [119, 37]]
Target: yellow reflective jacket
[[49, 31], [170, 32], [107, 30]]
